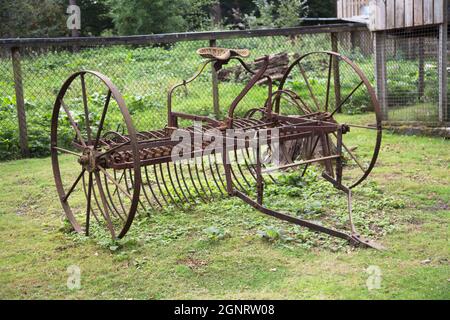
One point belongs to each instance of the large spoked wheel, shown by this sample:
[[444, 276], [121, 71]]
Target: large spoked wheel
[[90, 123], [329, 87]]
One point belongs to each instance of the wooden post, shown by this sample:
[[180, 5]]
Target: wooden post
[[75, 32], [421, 82], [353, 40], [215, 85], [443, 62], [20, 103], [336, 72], [380, 71]]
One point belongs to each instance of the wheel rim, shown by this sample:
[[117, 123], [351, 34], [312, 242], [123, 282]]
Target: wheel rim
[[311, 82], [82, 123]]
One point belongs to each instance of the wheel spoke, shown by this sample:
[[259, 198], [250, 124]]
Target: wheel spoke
[[86, 110], [64, 199], [67, 151], [361, 127], [73, 124], [88, 207], [303, 72], [105, 204], [352, 156], [102, 120], [346, 98], [110, 178]]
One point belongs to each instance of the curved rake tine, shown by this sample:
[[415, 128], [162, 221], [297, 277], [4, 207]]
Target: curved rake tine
[[146, 195], [112, 149], [73, 124], [214, 175], [86, 110], [111, 205], [302, 71], [86, 194], [97, 202], [236, 179], [249, 167], [111, 179], [206, 179], [158, 184], [248, 164], [169, 194], [120, 179], [130, 188], [116, 191], [173, 185], [294, 103], [200, 180], [240, 169], [201, 195], [240, 125], [219, 174], [151, 188], [105, 206], [188, 200], [185, 182]]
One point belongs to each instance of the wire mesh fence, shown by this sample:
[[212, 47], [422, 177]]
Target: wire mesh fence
[[412, 75], [144, 73]]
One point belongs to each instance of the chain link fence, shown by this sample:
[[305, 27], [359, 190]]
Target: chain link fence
[[412, 75], [143, 74]]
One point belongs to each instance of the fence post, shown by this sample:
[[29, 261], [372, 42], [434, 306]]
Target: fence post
[[215, 85], [380, 71], [20, 102], [421, 82], [336, 72], [74, 31], [443, 55]]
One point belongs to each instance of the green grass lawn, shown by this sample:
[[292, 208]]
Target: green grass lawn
[[171, 256]]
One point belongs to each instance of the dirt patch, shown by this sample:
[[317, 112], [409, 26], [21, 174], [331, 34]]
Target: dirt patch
[[193, 263]]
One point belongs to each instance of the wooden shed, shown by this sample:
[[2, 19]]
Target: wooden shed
[[402, 18]]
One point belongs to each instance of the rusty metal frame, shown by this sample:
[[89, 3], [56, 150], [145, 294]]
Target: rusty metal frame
[[131, 154]]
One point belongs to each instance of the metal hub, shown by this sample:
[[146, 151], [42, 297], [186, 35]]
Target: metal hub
[[88, 159]]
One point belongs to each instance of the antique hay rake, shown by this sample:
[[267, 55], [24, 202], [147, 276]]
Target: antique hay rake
[[123, 170]]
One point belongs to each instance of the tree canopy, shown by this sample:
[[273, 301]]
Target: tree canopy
[[47, 18]]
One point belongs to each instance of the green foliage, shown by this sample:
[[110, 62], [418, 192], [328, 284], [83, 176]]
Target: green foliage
[[95, 18], [168, 251], [157, 16], [273, 234], [281, 14], [28, 18], [216, 234], [322, 8], [290, 12]]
